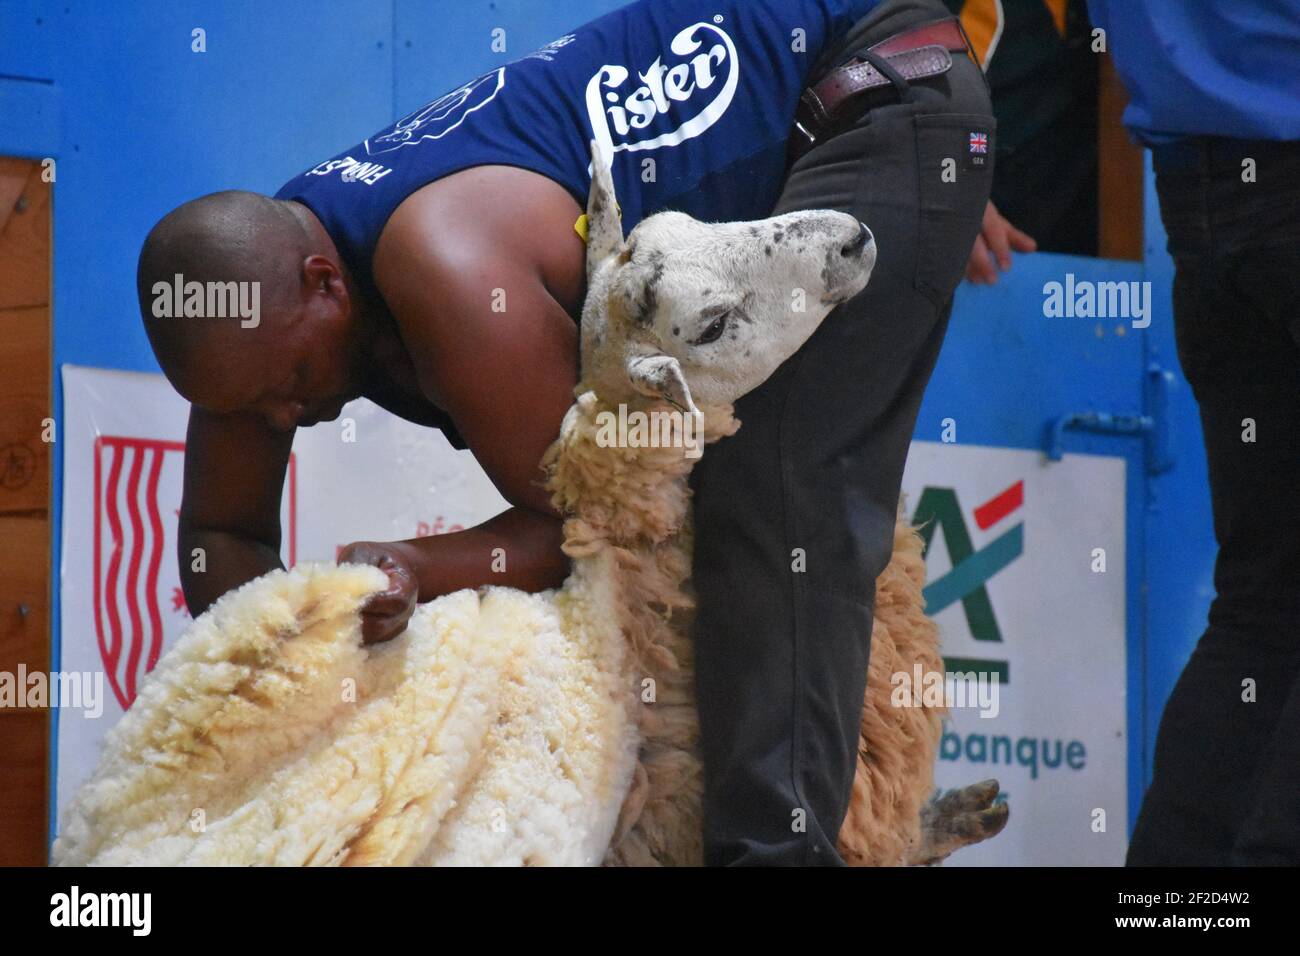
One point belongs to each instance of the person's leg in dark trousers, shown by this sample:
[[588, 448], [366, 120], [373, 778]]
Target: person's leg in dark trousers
[[1226, 785], [812, 479]]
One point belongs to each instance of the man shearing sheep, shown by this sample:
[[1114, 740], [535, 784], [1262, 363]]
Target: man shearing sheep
[[379, 269]]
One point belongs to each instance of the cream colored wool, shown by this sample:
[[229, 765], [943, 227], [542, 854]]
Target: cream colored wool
[[661, 822], [481, 735]]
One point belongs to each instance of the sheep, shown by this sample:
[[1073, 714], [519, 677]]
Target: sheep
[[513, 729]]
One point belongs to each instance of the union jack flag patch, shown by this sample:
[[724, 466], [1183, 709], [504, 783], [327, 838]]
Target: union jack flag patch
[[977, 149]]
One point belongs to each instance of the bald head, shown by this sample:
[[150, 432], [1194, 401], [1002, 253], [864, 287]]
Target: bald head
[[214, 266], [249, 308]]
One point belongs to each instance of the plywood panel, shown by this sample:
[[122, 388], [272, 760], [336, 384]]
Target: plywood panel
[[23, 746], [1120, 173], [24, 236], [24, 594], [13, 177], [24, 404], [24, 501]]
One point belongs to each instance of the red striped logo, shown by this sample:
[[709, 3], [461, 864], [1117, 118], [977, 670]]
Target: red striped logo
[[132, 540], [999, 506]]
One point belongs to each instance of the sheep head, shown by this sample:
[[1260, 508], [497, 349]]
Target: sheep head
[[691, 312]]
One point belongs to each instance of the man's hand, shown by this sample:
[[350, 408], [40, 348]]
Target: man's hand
[[386, 614], [996, 240]]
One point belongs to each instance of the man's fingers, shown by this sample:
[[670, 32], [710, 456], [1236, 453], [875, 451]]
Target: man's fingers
[[388, 602], [400, 591], [382, 605], [1021, 241], [979, 268], [384, 614], [384, 623], [376, 630], [998, 242]]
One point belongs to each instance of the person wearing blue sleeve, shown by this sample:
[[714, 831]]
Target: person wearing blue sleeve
[[1215, 94]]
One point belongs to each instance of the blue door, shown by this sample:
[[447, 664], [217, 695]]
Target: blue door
[[1059, 469]]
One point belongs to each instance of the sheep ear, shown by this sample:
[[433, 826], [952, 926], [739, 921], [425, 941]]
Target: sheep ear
[[604, 229], [660, 376]]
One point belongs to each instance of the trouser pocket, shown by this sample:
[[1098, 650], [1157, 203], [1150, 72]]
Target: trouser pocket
[[955, 174]]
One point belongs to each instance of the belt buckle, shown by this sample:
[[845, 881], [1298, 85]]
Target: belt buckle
[[812, 140]]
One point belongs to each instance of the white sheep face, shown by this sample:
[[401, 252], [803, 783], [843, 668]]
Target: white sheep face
[[708, 311], [732, 301]]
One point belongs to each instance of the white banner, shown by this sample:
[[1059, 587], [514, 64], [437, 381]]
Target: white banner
[[1015, 586], [1026, 581], [123, 445]]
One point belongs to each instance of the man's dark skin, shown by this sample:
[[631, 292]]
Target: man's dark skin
[[505, 377], [432, 341]]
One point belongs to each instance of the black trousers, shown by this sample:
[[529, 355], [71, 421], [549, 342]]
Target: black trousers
[[1226, 788], [794, 515]]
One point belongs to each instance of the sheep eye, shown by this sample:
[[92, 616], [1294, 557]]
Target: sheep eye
[[714, 331]]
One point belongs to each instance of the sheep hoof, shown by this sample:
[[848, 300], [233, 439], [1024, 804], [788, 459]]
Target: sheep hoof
[[957, 818]]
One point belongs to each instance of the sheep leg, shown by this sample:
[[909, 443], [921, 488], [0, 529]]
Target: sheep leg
[[953, 819]]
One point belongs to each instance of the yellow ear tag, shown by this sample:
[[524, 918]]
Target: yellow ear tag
[[580, 227]]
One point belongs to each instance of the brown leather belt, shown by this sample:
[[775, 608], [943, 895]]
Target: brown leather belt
[[916, 53]]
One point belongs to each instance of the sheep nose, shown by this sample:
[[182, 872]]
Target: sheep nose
[[858, 243]]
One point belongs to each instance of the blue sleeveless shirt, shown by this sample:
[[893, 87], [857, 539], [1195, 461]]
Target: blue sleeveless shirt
[[691, 102]]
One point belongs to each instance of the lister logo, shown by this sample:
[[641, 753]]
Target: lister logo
[[693, 94]]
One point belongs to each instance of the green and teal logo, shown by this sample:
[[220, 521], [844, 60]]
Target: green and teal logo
[[939, 510]]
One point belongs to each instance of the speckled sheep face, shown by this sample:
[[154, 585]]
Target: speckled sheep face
[[732, 301], [715, 307]]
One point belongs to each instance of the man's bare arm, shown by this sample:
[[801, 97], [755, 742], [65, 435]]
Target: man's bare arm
[[495, 349], [517, 548], [230, 507]]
